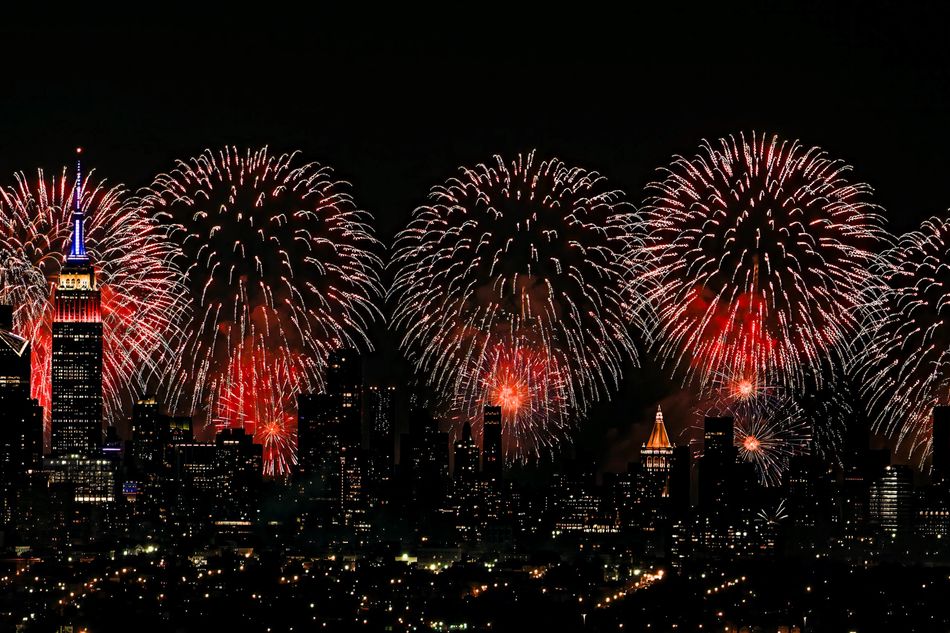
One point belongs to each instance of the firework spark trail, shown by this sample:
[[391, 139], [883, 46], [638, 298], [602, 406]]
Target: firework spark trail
[[141, 291], [773, 515], [255, 398], [906, 365], [769, 425], [279, 261], [526, 382], [755, 256], [770, 439], [515, 267]]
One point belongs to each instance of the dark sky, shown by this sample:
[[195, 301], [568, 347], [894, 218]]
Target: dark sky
[[396, 102]]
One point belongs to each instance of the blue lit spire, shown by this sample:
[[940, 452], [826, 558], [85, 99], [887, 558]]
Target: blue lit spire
[[77, 249]]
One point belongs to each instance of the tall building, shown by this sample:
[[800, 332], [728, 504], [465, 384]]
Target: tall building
[[148, 435], [465, 469], [681, 480], [424, 458], [21, 418], [940, 466], [381, 424], [717, 464], [15, 362], [381, 411], [354, 498], [892, 498], [328, 423], [492, 456], [318, 435], [717, 522], [345, 387], [238, 462], [193, 485], [466, 490], [77, 349], [651, 487], [718, 435], [800, 482], [656, 456]]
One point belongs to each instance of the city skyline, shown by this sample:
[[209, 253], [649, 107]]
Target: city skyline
[[554, 320], [760, 386], [378, 114]]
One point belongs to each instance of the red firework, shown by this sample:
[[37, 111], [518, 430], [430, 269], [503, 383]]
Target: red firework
[[755, 257], [281, 268], [141, 291], [526, 382]]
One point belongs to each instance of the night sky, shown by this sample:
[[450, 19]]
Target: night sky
[[395, 108]]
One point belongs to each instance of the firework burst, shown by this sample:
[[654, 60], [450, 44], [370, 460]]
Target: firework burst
[[769, 439], [508, 288], [141, 291], [755, 256], [906, 364], [281, 267], [526, 383], [769, 426], [773, 516], [255, 400]]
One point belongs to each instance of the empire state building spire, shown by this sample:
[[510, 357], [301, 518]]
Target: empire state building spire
[[77, 248]]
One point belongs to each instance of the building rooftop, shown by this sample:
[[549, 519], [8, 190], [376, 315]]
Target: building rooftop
[[658, 436]]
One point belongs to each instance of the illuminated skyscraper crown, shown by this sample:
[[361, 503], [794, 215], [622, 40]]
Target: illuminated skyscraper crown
[[77, 248], [658, 437]]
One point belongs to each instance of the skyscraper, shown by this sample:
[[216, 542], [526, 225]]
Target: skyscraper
[[717, 464], [381, 411], [345, 387], [492, 457], [147, 435], [940, 467], [465, 468], [77, 349], [656, 456], [14, 359], [318, 435], [466, 492], [237, 467], [329, 431], [21, 418], [381, 423], [680, 480], [892, 501]]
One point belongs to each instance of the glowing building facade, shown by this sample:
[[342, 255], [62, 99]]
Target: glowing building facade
[[77, 350], [656, 455]]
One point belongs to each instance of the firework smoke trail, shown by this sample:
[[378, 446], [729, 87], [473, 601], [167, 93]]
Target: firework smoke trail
[[906, 364], [755, 255], [516, 267], [279, 261], [141, 291]]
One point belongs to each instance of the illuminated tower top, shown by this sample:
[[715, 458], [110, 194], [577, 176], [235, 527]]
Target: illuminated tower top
[[78, 275], [77, 249], [658, 437]]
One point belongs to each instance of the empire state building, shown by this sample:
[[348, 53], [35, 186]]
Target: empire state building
[[77, 348]]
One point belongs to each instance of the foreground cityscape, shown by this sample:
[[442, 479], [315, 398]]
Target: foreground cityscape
[[386, 522]]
